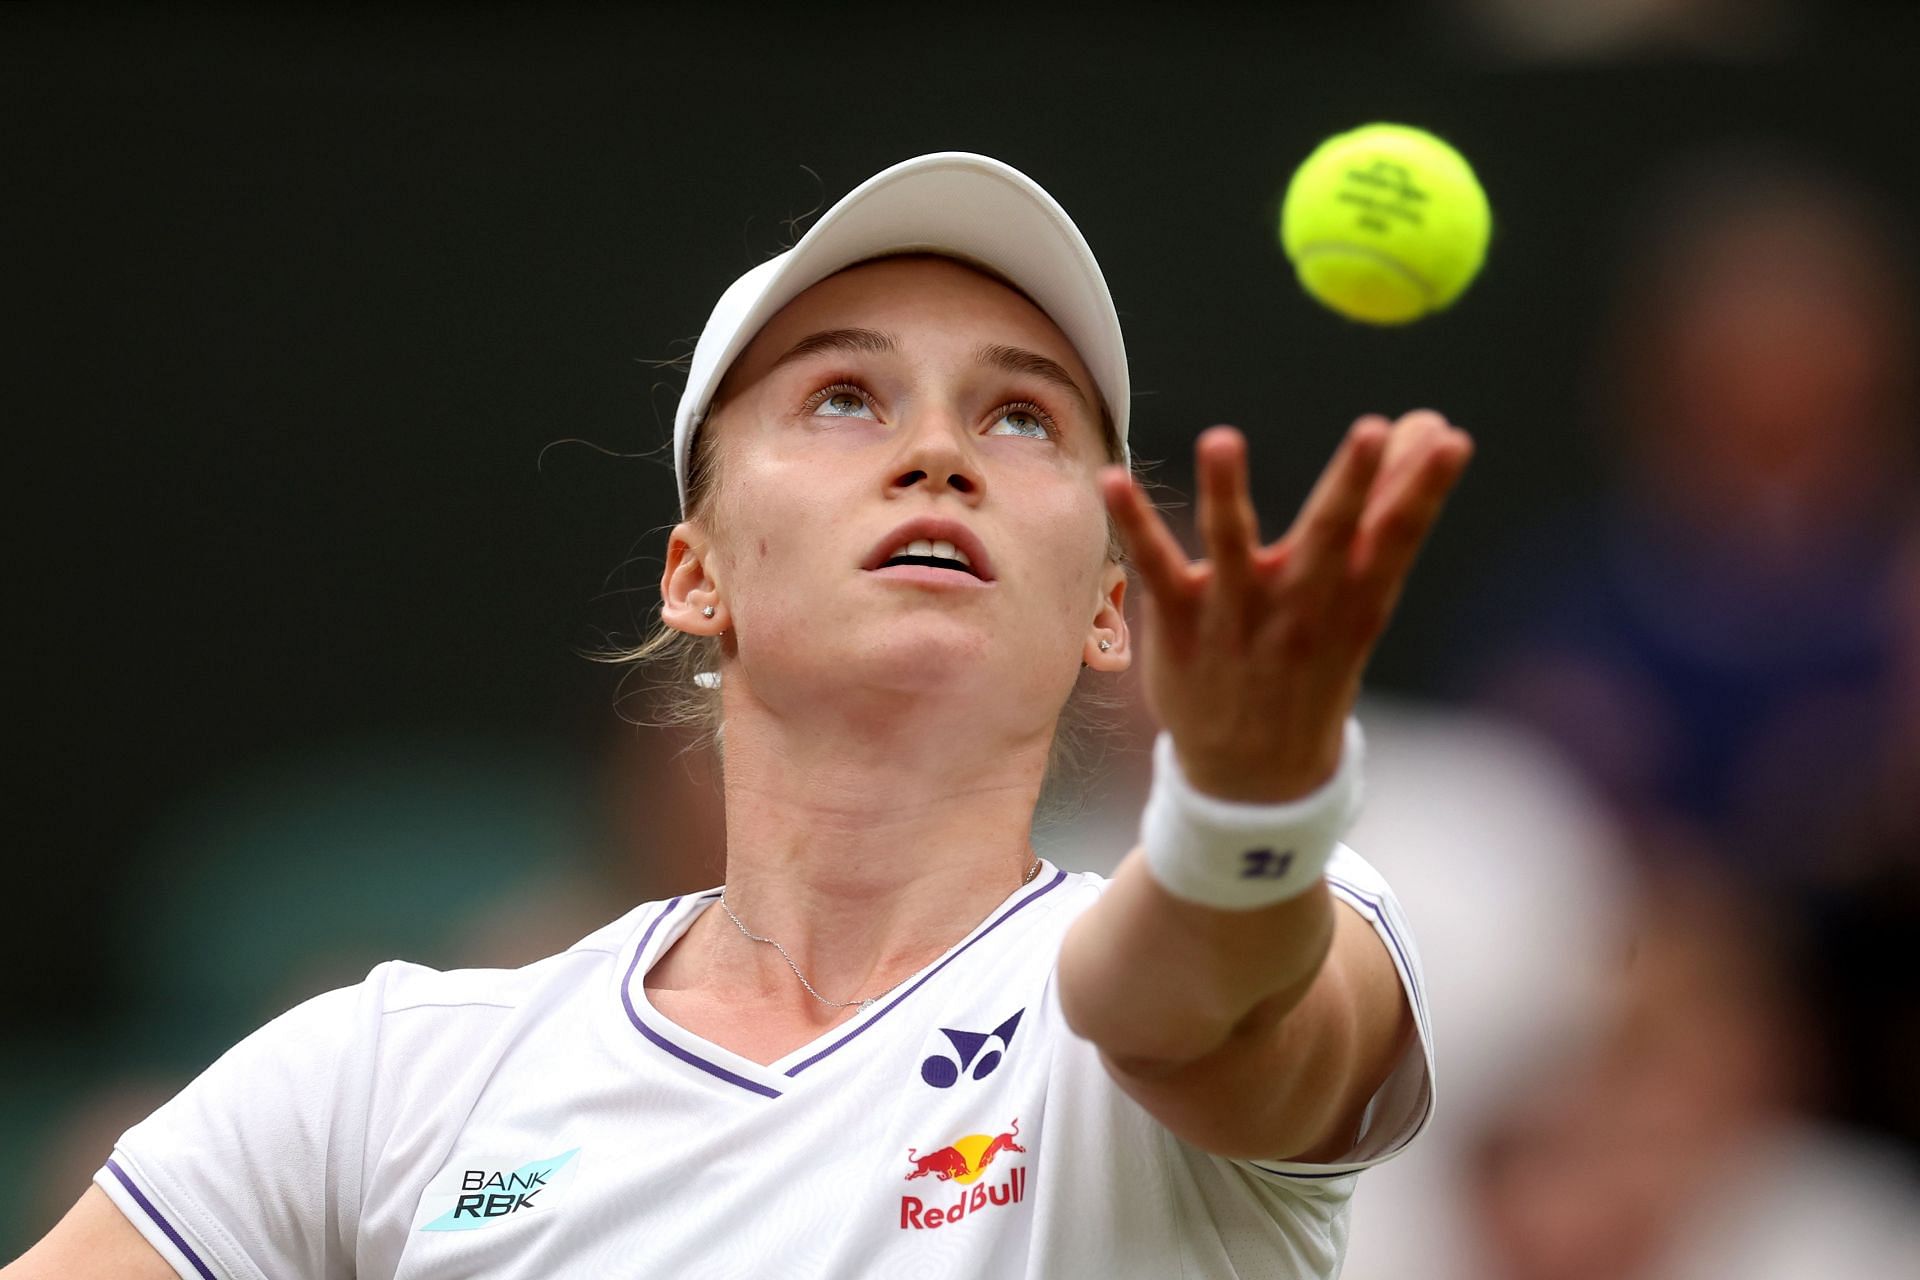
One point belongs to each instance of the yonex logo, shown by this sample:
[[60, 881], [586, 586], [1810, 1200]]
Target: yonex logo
[[942, 1072]]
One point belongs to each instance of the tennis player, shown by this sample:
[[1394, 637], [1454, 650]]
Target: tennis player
[[896, 1043]]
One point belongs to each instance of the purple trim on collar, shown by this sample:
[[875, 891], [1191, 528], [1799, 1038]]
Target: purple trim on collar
[[685, 1055], [140, 1198], [1048, 887], [754, 1086]]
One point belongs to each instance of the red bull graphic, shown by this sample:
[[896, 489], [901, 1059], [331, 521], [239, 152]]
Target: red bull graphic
[[964, 1162]]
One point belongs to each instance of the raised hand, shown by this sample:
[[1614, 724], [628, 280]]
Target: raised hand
[[1254, 654]]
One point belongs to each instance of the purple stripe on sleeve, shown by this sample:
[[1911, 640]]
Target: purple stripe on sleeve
[[685, 1055], [1282, 1173], [1378, 908], [140, 1198], [1373, 907], [1058, 879]]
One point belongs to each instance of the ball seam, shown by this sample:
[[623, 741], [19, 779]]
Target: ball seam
[[1419, 281]]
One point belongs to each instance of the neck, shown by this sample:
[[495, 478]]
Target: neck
[[865, 842]]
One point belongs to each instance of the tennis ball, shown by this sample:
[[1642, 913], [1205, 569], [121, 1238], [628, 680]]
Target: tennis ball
[[1385, 224]]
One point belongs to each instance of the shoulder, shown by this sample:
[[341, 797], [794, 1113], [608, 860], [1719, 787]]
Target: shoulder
[[1038, 920], [1079, 890], [400, 993]]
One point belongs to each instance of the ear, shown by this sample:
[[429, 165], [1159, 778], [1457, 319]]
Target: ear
[[687, 585], [1110, 624]]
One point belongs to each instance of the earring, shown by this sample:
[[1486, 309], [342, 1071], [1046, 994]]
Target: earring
[[1105, 645], [707, 612]]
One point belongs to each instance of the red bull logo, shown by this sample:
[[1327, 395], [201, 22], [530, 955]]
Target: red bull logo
[[965, 1161]]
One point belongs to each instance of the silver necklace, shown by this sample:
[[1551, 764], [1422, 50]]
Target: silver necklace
[[1032, 871]]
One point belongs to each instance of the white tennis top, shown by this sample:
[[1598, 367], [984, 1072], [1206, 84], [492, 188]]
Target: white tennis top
[[547, 1122]]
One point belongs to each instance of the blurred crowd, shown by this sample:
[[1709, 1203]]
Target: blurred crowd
[[1725, 657], [1660, 838]]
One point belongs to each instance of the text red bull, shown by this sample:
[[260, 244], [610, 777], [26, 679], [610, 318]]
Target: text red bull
[[952, 1163], [915, 1213]]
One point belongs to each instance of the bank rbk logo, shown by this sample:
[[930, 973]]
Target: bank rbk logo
[[485, 1196]]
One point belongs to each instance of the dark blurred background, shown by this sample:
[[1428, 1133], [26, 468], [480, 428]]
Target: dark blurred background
[[337, 338]]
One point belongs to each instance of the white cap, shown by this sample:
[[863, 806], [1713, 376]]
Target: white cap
[[951, 203]]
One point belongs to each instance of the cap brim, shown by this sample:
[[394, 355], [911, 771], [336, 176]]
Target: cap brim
[[953, 203]]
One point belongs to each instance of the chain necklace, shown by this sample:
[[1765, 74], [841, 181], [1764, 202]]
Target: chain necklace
[[1032, 871]]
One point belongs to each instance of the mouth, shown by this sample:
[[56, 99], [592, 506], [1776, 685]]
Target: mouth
[[931, 551], [932, 554]]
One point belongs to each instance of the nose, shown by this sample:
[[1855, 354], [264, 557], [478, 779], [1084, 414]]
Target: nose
[[936, 454]]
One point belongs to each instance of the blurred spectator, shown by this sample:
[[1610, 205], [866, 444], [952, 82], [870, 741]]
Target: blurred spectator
[[1675, 1152], [1627, 30], [1898, 804], [1863, 931], [1718, 644], [1518, 895]]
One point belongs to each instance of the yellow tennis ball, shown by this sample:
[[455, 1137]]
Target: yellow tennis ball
[[1385, 224]]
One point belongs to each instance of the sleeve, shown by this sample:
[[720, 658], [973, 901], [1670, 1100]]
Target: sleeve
[[252, 1171], [1402, 1105]]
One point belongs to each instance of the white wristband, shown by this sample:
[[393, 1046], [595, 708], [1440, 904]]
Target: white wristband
[[1240, 856]]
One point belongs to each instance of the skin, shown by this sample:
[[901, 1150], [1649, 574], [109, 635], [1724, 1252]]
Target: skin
[[841, 686], [1258, 1033]]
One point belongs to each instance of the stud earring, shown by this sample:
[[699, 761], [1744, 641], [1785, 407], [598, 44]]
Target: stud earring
[[1105, 645], [707, 612]]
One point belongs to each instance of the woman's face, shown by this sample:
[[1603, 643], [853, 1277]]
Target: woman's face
[[906, 400]]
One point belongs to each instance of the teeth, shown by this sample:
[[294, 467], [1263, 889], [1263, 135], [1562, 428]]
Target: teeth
[[937, 550]]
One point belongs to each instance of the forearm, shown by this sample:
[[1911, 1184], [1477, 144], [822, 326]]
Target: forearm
[[1157, 982], [1225, 991]]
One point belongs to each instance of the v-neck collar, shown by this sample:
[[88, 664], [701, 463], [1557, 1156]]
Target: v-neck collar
[[772, 1080]]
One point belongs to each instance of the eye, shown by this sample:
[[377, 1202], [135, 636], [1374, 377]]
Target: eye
[[841, 400], [1022, 419]]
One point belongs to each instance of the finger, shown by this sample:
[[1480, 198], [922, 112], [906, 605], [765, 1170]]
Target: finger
[[1400, 518], [1411, 451], [1324, 530], [1226, 517], [1156, 554], [1408, 441]]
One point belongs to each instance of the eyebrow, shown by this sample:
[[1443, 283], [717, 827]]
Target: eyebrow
[[1032, 363], [995, 355], [852, 340]]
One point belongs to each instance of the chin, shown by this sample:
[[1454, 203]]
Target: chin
[[922, 653]]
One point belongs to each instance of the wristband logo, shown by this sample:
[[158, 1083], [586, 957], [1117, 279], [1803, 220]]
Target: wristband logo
[[1265, 864], [981, 1050], [468, 1198]]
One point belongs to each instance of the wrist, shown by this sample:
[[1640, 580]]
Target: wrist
[[1223, 775], [1235, 855]]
